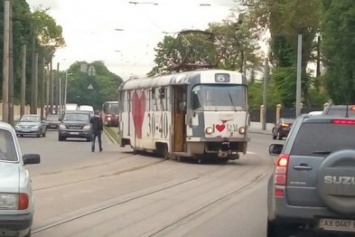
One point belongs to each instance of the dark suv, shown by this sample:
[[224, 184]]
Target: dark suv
[[313, 184], [75, 124]]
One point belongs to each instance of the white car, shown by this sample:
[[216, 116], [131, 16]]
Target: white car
[[16, 196], [315, 113]]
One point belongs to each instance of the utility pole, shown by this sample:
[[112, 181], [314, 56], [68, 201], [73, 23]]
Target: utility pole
[[5, 79], [265, 83], [318, 56], [299, 74], [11, 69], [47, 89], [33, 79], [35, 105], [51, 86], [42, 88], [57, 89], [60, 95], [23, 81]]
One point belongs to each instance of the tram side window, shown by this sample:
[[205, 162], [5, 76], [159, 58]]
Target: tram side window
[[122, 100], [163, 98], [147, 98], [129, 101], [155, 99], [196, 105]]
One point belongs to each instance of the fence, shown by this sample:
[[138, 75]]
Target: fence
[[274, 114], [17, 110]]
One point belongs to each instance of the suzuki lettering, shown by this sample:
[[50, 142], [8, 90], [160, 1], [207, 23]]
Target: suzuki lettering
[[349, 180]]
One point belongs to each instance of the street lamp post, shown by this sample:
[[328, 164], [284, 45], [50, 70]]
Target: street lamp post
[[66, 88]]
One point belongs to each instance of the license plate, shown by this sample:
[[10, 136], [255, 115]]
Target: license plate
[[337, 225], [74, 133]]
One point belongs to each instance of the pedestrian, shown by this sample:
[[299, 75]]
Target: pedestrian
[[97, 128]]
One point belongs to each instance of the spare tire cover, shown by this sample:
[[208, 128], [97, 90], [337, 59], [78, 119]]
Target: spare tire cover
[[336, 182]]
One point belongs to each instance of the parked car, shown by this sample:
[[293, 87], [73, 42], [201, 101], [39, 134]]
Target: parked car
[[313, 183], [31, 124], [16, 195], [315, 113], [340, 110], [282, 128], [75, 124], [52, 121]]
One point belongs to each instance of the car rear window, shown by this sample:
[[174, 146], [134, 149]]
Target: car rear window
[[341, 111], [323, 138]]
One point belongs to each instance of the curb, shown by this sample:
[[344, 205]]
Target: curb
[[261, 132], [110, 137]]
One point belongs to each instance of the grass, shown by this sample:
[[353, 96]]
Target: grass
[[113, 133]]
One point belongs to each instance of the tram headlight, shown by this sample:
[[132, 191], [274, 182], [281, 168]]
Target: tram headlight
[[241, 130], [209, 130]]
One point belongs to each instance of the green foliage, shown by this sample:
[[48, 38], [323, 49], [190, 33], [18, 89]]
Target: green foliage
[[338, 46], [105, 85], [255, 94], [233, 46]]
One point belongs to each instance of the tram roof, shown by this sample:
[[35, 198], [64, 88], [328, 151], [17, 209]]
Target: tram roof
[[198, 76]]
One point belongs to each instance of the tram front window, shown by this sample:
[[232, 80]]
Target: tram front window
[[219, 97]]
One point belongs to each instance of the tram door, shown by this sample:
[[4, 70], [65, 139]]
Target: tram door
[[179, 111]]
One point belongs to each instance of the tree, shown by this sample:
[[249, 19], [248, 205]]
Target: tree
[[285, 20], [104, 83], [226, 45], [338, 45]]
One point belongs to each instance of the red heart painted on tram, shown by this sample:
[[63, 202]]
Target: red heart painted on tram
[[220, 127], [138, 109]]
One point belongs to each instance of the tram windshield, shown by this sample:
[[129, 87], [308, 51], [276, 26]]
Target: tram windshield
[[219, 97], [110, 108]]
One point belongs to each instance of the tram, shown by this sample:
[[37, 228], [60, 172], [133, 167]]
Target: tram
[[197, 114]]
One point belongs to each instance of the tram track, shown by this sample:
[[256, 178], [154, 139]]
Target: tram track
[[104, 207], [219, 172], [115, 173]]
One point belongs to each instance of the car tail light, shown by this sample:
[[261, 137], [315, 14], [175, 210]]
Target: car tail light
[[23, 201], [285, 125], [352, 108], [344, 121], [281, 173]]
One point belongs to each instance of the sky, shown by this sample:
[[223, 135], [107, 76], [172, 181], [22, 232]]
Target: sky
[[90, 35]]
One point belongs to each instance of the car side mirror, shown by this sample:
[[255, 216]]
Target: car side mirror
[[275, 149], [29, 159]]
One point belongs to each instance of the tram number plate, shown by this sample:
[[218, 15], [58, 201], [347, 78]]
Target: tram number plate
[[337, 225]]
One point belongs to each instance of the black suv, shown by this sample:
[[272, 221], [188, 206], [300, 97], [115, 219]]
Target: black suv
[[75, 124], [313, 184]]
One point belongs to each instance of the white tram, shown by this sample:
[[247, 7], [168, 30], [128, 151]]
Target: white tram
[[199, 114]]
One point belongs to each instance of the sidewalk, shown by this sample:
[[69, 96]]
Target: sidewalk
[[256, 127]]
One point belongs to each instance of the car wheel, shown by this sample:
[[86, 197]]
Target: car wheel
[[28, 234], [275, 230], [279, 136], [273, 136]]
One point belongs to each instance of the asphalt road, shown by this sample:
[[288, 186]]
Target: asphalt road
[[116, 193]]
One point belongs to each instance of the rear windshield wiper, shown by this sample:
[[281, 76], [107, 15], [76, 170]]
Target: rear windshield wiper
[[321, 152]]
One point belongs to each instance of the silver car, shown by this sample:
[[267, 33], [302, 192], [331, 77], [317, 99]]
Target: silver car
[[16, 196], [31, 124]]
